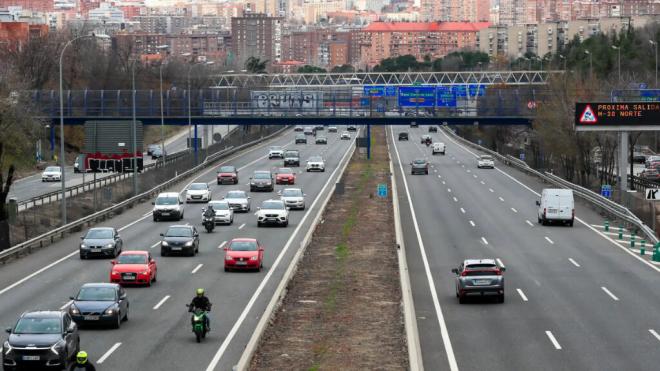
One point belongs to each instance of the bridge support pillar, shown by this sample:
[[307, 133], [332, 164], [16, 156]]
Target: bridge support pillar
[[52, 141], [196, 147], [368, 142], [623, 162]]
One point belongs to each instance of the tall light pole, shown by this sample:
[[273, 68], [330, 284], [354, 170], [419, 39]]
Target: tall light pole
[[655, 43], [618, 49], [134, 155], [62, 159], [162, 111], [564, 59], [591, 66]]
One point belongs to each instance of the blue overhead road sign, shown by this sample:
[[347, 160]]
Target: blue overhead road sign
[[416, 96]]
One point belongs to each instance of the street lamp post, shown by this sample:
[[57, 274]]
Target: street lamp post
[[618, 49], [564, 59], [591, 66], [62, 159], [134, 149], [162, 111], [655, 43]]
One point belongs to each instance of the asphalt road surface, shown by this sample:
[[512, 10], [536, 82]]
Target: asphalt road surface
[[158, 334], [575, 299]]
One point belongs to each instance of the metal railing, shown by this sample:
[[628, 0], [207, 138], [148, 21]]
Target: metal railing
[[604, 204], [49, 237]]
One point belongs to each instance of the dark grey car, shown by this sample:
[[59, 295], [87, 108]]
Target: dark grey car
[[262, 180], [180, 239], [419, 166], [100, 303], [292, 157], [479, 277], [104, 241]]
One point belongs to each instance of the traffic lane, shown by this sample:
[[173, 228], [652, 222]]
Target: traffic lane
[[449, 238], [577, 292]]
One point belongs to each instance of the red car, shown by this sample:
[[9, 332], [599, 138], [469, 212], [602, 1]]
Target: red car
[[285, 176], [134, 268], [244, 253], [227, 175]]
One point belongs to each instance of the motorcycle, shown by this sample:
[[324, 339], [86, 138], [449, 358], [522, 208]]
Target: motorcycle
[[209, 223], [198, 322], [428, 143]]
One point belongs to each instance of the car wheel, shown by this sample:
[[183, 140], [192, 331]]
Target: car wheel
[[117, 324], [125, 315], [259, 224], [501, 299], [116, 252], [461, 299], [539, 220], [218, 183], [181, 218], [192, 252], [570, 223], [82, 256], [226, 269], [155, 277], [155, 218], [162, 252], [286, 224], [236, 181], [544, 222]]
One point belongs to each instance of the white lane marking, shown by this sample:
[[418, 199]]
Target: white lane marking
[[273, 268], [242, 225], [439, 176], [491, 190], [468, 171], [443, 182], [198, 267], [449, 190], [501, 199], [522, 294], [463, 210], [63, 307], [475, 176], [255, 213], [530, 223], [655, 334], [132, 223], [108, 353], [161, 302], [222, 244], [435, 170], [472, 223], [484, 240], [455, 199], [608, 292], [514, 210], [451, 358], [574, 262], [554, 341], [154, 245], [499, 261], [482, 182], [32, 275], [147, 214], [549, 240]]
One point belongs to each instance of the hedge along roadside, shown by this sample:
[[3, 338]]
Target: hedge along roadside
[[48, 238]]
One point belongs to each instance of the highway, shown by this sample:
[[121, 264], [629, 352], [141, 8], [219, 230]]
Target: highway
[[158, 334], [32, 186], [575, 299]]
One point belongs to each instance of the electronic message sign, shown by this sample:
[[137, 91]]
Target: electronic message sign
[[619, 116]]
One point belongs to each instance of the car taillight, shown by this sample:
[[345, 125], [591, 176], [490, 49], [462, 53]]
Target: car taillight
[[573, 213], [544, 210], [498, 272], [464, 273]]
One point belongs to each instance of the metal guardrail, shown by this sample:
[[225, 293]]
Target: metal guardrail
[[608, 206], [40, 241]]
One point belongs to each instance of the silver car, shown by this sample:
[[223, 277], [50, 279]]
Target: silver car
[[101, 241], [479, 277], [224, 214], [238, 200], [293, 198]]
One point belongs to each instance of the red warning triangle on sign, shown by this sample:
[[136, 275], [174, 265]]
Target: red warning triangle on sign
[[588, 116]]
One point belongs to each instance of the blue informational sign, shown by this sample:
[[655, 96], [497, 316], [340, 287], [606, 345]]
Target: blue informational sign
[[416, 96], [643, 85], [364, 102], [380, 91], [446, 97], [382, 190], [473, 90], [522, 156], [650, 95], [606, 190]]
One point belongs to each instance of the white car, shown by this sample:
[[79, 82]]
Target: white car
[[315, 163], [345, 135], [438, 147], [223, 213], [332, 129], [293, 198], [198, 192], [52, 173], [273, 212], [485, 161], [238, 200], [168, 205], [275, 152]]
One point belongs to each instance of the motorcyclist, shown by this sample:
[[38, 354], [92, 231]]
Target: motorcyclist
[[202, 302], [428, 142], [82, 363], [209, 212]]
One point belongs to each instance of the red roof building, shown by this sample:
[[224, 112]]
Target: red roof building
[[36, 5], [15, 35]]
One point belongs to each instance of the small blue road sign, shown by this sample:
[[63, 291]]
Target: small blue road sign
[[382, 190]]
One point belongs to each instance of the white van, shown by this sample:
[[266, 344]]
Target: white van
[[556, 205], [168, 205], [438, 147]]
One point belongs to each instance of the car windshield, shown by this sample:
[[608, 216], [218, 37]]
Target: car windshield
[[97, 234], [38, 325], [227, 169], [52, 169], [479, 273], [132, 259], [300, 136], [167, 201], [96, 294], [243, 246], [275, 148], [420, 162], [198, 187], [315, 159], [272, 205], [292, 193], [178, 232], [403, 134], [285, 170], [261, 176], [486, 157], [219, 205], [236, 194], [308, 128], [321, 138], [291, 153]]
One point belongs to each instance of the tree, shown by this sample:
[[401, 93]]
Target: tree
[[5, 242], [255, 65], [311, 69], [344, 68], [399, 64]]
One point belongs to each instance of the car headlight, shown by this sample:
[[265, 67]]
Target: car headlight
[[110, 245], [228, 257], [82, 246], [7, 347], [109, 311], [144, 272], [254, 258], [114, 273], [189, 243], [73, 309], [164, 243], [57, 346]]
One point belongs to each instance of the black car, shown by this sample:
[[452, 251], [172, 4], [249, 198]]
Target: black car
[[298, 128], [403, 136], [321, 140], [419, 166], [301, 138], [262, 180], [351, 128], [157, 153], [152, 147], [414, 124], [433, 129], [319, 127], [100, 303], [104, 241], [292, 157], [41, 340], [424, 138], [182, 239]]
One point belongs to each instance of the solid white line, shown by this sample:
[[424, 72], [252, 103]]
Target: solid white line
[[484, 240], [514, 210], [549, 240], [222, 244], [132, 223], [472, 223], [32, 275], [439, 176], [574, 262], [553, 340], [499, 261], [491, 190], [451, 358], [149, 213], [468, 171], [242, 225], [522, 294], [655, 334], [501, 199], [463, 210], [482, 182], [154, 245], [455, 199], [449, 190], [443, 182], [435, 170], [198, 267], [108, 353], [475, 176], [161, 302], [609, 293], [530, 223]]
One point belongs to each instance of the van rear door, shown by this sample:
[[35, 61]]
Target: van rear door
[[566, 205]]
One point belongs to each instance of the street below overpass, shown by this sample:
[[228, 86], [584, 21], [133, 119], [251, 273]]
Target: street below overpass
[[575, 298]]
